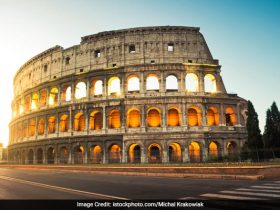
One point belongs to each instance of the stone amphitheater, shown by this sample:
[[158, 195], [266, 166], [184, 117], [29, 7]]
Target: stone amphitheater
[[139, 95]]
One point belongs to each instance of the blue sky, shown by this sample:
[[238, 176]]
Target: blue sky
[[243, 34]]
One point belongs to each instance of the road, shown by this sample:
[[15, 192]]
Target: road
[[31, 184]]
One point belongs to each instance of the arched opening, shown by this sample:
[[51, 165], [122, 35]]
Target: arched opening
[[154, 153], [232, 149], [194, 116], [96, 154], [194, 152], [115, 119], [27, 103], [30, 156], [115, 154], [97, 88], [210, 85], [191, 81], [230, 117], [79, 155], [154, 119], [50, 155], [175, 153], [64, 123], [173, 117], [66, 94], [34, 103], [31, 127], [133, 84], [213, 151], [80, 90], [79, 122], [114, 86], [25, 129], [152, 82], [23, 160], [212, 117], [95, 121], [171, 83], [53, 98], [51, 124], [64, 155], [134, 153], [40, 156], [41, 126], [133, 118], [43, 97]]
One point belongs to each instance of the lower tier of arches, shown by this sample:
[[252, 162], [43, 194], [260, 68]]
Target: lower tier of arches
[[124, 151]]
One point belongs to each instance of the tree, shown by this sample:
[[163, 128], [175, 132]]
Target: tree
[[254, 132], [272, 128], [254, 139]]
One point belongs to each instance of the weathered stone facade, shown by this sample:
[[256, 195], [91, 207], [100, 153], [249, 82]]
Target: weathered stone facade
[[151, 94]]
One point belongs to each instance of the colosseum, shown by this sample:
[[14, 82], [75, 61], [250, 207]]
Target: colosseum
[[139, 95]]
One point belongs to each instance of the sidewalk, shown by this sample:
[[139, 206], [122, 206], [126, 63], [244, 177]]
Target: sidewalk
[[231, 172]]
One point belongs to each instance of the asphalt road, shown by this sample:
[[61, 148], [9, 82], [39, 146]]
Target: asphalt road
[[31, 184]]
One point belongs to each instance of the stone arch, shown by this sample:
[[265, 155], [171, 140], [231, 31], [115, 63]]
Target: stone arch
[[191, 81], [32, 127], [214, 150], [194, 116], [175, 153], [114, 86], [64, 123], [152, 82], [27, 103], [51, 124], [213, 116], [114, 153], [53, 97], [171, 83], [41, 126], [30, 156], [43, 97], [40, 155], [133, 83], [95, 120], [23, 157], [154, 153], [96, 154], [80, 90], [34, 103], [232, 149], [50, 155], [195, 151], [173, 118], [97, 87], [230, 116], [66, 94], [134, 153], [64, 155], [153, 117], [210, 84], [79, 122], [133, 118], [78, 154], [115, 118]]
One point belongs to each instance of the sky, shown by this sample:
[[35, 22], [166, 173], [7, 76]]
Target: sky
[[243, 34]]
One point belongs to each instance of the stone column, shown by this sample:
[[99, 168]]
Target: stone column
[[222, 115], [36, 128], [164, 155], [182, 83], [162, 83], [204, 121], [201, 82], [183, 115], [86, 155], [143, 155], [46, 126], [104, 88], [70, 156], [88, 89], [59, 95], [142, 84], [104, 118], [57, 124], [164, 124]]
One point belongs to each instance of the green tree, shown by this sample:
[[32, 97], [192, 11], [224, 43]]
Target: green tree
[[272, 129], [254, 140]]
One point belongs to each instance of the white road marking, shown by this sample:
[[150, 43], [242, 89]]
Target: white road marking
[[188, 198], [258, 190], [266, 187], [269, 184], [62, 188], [212, 195], [252, 193]]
